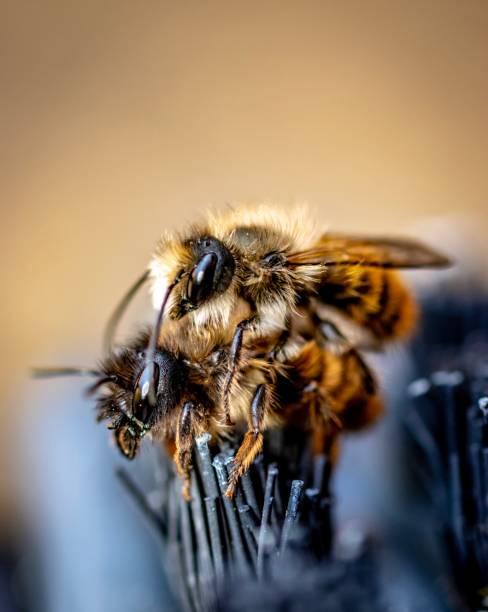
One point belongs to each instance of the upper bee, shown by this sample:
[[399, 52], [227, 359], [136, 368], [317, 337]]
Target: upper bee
[[246, 272], [267, 257]]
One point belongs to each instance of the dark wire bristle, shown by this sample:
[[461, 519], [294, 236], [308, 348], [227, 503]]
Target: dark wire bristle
[[206, 470], [250, 495], [142, 502], [447, 424], [189, 558], [265, 542], [291, 513], [212, 539], [247, 521], [237, 542]]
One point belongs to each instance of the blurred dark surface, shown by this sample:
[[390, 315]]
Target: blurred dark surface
[[447, 437]]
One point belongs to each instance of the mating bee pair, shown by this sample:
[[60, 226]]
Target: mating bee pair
[[247, 333]]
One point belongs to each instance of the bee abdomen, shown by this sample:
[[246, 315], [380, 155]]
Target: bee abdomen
[[397, 312], [375, 299], [352, 389]]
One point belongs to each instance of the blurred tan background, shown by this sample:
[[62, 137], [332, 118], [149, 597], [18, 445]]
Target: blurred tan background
[[119, 119]]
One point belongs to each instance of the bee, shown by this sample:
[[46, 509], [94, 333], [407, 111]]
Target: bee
[[278, 264]]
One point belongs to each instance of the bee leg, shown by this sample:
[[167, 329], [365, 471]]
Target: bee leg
[[321, 403], [282, 340], [170, 447], [325, 422], [235, 356], [184, 444], [253, 440]]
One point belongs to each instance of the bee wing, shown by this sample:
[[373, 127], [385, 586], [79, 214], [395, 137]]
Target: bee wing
[[369, 251]]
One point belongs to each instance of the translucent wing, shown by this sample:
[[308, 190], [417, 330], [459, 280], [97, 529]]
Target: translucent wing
[[369, 251]]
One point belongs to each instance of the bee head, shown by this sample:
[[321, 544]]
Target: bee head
[[197, 268], [136, 393]]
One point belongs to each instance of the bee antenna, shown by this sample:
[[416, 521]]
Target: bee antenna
[[112, 323], [99, 383], [66, 371], [153, 341]]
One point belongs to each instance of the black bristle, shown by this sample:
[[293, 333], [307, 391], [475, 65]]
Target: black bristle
[[237, 543], [213, 541], [265, 539], [207, 474], [216, 542], [291, 513], [250, 494], [448, 424]]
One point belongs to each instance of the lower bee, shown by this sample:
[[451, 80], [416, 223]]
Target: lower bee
[[321, 390]]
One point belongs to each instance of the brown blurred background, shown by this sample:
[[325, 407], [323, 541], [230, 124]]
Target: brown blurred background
[[119, 119]]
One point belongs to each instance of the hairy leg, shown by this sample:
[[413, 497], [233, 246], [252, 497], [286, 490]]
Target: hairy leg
[[235, 358], [184, 445], [253, 440]]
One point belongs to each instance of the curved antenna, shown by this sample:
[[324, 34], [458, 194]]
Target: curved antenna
[[121, 307], [147, 381], [63, 371]]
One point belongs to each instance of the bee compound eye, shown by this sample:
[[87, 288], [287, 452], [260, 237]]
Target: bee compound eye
[[202, 279], [274, 260], [145, 391]]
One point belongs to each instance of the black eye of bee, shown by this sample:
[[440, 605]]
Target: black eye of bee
[[212, 273], [142, 402], [274, 260], [200, 283]]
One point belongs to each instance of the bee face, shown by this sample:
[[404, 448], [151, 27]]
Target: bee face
[[126, 401], [232, 256]]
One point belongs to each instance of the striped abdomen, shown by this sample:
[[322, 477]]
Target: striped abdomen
[[343, 383], [373, 298], [351, 389]]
